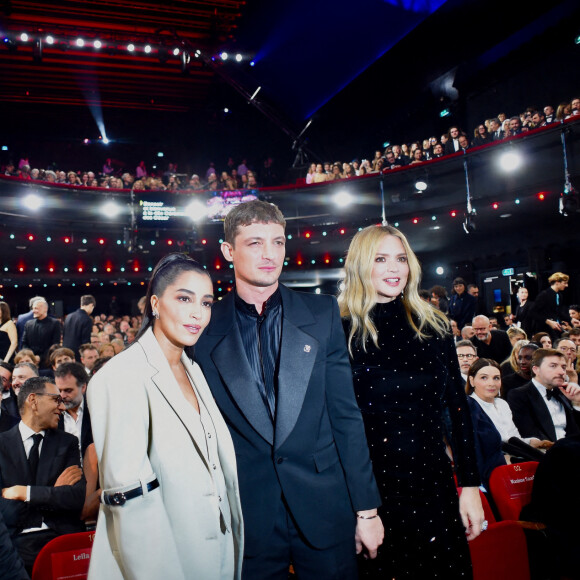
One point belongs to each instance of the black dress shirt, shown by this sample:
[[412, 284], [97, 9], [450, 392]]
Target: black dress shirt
[[261, 335]]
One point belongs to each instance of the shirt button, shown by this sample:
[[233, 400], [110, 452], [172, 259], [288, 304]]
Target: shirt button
[[209, 435], [220, 497], [214, 466], [279, 460]]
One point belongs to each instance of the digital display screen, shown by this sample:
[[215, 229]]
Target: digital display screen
[[178, 210]]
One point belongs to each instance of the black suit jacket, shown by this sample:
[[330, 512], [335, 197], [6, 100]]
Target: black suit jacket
[[77, 330], [546, 307], [86, 430], [20, 324], [532, 417], [59, 506], [315, 454], [7, 419]]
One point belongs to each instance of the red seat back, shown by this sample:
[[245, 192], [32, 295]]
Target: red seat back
[[511, 488], [67, 556], [500, 553]]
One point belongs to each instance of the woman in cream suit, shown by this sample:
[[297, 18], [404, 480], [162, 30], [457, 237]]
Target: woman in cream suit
[[170, 505]]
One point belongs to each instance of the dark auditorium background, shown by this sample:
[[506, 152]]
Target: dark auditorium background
[[356, 75]]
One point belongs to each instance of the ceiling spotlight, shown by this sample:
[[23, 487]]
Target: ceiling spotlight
[[196, 210], [24, 37], [469, 223], [238, 58], [252, 63], [106, 140], [421, 185], [224, 56], [49, 39], [342, 198], [147, 49], [131, 47], [32, 202], [510, 161], [176, 51], [110, 209], [197, 53], [226, 110], [97, 43], [80, 42], [440, 270], [10, 44]]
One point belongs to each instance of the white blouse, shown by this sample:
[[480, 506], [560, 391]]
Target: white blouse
[[501, 416]]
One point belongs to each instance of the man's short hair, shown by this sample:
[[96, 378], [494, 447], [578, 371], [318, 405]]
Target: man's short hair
[[35, 299], [61, 351], [31, 385], [466, 343], [87, 299], [542, 353], [87, 346], [29, 365], [575, 307], [6, 366], [558, 277], [77, 370], [470, 286], [571, 332], [248, 213]]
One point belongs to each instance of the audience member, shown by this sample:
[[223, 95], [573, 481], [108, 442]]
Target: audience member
[[41, 332], [490, 343], [78, 325], [462, 305], [523, 372], [22, 372], [548, 311], [466, 355]]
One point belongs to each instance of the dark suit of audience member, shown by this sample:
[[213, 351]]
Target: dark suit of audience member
[[532, 416], [510, 382], [558, 473], [523, 315], [77, 330], [20, 324], [7, 420], [548, 306], [9, 406], [498, 349], [11, 565], [40, 335], [462, 308], [487, 442]]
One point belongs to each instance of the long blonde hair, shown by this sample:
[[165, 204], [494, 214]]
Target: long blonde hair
[[358, 296]]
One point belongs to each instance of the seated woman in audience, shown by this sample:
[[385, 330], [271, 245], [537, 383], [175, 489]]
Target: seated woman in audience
[[8, 334], [510, 365], [563, 111], [310, 174], [515, 333], [543, 339], [417, 156], [336, 174], [481, 136], [26, 355], [319, 175], [492, 418], [405, 150]]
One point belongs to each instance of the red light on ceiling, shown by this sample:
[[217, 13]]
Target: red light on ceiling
[[495, 205], [101, 241], [204, 241], [342, 231], [415, 220], [299, 262], [67, 240], [30, 237], [327, 259], [51, 269], [170, 242], [88, 284], [453, 213], [80, 268], [136, 269], [307, 234], [541, 196], [108, 268], [21, 269]]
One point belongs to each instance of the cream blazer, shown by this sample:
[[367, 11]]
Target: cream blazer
[[143, 429]]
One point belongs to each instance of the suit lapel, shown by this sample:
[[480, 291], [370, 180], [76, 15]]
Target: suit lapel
[[543, 414], [297, 356], [47, 456], [165, 382], [14, 452]]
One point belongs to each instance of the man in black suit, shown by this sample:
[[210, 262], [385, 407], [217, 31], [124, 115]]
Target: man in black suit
[[79, 325], [24, 318], [548, 312], [452, 145], [543, 408], [496, 131], [71, 380], [9, 415], [41, 332], [277, 365], [490, 343], [43, 488], [524, 307]]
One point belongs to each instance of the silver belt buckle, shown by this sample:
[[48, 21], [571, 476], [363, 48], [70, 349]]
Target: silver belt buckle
[[117, 498]]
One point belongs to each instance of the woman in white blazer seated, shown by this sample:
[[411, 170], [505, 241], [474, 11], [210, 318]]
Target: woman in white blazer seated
[[170, 507]]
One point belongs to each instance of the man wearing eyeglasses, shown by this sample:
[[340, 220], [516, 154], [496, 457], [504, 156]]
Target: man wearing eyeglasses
[[466, 355], [43, 487], [8, 407]]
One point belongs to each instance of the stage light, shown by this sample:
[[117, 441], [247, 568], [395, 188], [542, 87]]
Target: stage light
[[453, 213], [10, 44], [342, 231], [147, 49], [170, 242], [226, 110], [196, 210], [24, 37], [433, 218], [224, 56], [342, 198], [84, 240], [131, 47], [4, 147], [32, 202], [80, 42], [510, 161], [439, 270], [495, 205], [307, 235], [415, 220], [541, 196], [12, 236], [386, 144], [160, 154], [176, 52], [30, 238], [49, 39], [106, 140], [517, 202], [252, 63], [238, 58], [204, 242], [197, 53], [97, 44], [110, 209], [421, 185], [101, 241]]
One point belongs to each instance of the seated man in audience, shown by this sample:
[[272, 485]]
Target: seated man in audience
[[490, 343], [401, 158], [524, 373], [496, 131], [467, 332], [9, 415], [452, 145], [550, 114], [543, 408], [538, 120], [515, 126], [22, 372], [71, 380], [568, 347], [574, 335], [466, 355], [43, 488], [437, 151], [60, 356]]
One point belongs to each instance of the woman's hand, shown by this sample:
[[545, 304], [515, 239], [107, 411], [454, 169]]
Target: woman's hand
[[471, 511]]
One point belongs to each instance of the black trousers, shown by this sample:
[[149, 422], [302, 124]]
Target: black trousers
[[29, 545], [287, 546]]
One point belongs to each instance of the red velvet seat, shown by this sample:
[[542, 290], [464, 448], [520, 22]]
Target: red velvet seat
[[67, 556], [511, 488]]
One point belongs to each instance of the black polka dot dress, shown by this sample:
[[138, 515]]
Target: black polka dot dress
[[402, 389]]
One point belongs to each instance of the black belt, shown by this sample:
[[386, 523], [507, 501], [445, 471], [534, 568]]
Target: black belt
[[120, 497]]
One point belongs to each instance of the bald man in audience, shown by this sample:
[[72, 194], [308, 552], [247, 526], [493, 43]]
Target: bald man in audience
[[490, 343], [467, 332]]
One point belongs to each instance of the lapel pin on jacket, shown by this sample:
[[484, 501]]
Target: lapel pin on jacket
[[306, 348]]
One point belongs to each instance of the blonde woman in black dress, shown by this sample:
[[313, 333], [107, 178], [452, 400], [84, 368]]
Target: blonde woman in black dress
[[405, 374]]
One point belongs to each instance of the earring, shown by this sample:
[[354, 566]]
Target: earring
[[155, 314]]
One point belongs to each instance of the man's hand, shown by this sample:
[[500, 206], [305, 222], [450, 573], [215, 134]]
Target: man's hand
[[369, 534], [553, 325], [571, 391], [69, 476], [17, 492]]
